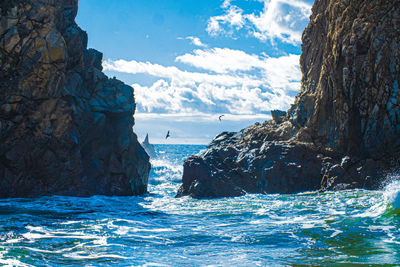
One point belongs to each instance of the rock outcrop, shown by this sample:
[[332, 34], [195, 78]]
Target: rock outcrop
[[342, 131], [65, 128]]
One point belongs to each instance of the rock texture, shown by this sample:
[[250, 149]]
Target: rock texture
[[342, 131], [350, 62], [65, 128]]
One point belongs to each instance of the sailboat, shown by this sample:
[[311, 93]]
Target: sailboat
[[150, 149]]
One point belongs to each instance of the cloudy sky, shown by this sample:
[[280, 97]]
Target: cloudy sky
[[190, 61]]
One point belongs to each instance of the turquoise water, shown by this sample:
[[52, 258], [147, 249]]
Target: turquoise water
[[346, 227]]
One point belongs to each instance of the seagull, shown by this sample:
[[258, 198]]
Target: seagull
[[167, 135], [220, 117]]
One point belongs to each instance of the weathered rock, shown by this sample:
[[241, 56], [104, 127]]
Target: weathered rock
[[65, 128], [342, 131], [278, 116], [351, 71], [250, 162]]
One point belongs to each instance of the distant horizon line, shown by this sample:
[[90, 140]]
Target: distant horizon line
[[180, 144]]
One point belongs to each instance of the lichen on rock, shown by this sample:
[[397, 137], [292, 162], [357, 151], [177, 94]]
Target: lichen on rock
[[341, 132], [65, 128]]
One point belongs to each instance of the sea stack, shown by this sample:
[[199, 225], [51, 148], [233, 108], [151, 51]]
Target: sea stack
[[65, 128], [343, 129]]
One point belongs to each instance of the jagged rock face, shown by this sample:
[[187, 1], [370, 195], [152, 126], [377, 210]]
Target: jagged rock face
[[351, 73], [343, 129], [65, 128], [258, 160]]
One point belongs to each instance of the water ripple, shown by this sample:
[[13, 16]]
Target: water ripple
[[348, 227]]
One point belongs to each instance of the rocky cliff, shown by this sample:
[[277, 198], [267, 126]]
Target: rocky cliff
[[350, 62], [65, 128], [343, 128]]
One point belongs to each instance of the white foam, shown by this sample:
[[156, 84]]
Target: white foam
[[392, 194], [374, 211], [12, 263], [166, 163], [335, 233], [79, 256]]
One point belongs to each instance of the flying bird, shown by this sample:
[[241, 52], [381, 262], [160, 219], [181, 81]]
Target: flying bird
[[166, 137], [220, 117]]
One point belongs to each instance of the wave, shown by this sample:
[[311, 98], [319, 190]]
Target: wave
[[391, 193], [385, 201], [162, 162]]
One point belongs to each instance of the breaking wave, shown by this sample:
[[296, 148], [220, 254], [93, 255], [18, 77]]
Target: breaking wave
[[328, 228]]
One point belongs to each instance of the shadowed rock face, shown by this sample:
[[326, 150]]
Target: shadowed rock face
[[342, 131], [350, 88], [65, 128]]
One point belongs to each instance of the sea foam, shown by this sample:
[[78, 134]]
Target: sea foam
[[392, 193]]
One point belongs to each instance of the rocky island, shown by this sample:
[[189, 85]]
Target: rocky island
[[343, 129], [65, 128]]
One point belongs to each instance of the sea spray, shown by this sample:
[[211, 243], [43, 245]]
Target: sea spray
[[350, 227], [386, 201], [392, 192]]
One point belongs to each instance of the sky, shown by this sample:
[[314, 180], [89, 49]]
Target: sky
[[190, 61]]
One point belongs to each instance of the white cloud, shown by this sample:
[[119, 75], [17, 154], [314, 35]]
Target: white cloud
[[188, 128], [195, 41], [204, 117], [180, 77], [167, 97], [275, 71], [233, 18], [221, 60], [283, 72], [234, 82], [280, 19], [226, 3]]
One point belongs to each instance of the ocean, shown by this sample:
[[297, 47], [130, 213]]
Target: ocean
[[332, 228]]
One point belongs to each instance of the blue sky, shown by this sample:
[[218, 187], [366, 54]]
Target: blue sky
[[191, 61]]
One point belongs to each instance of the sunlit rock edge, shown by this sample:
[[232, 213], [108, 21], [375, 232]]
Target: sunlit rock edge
[[341, 132]]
